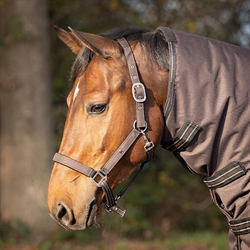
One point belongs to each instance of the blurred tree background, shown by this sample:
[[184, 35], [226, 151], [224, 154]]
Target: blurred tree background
[[165, 197]]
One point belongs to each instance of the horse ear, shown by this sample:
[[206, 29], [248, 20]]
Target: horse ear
[[70, 40], [100, 45]]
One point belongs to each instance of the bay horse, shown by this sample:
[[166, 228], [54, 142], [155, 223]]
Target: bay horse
[[135, 89]]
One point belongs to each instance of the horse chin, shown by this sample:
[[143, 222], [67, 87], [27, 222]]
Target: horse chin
[[90, 219], [93, 214]]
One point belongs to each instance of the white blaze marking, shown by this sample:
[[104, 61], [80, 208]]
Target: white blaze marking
[[76, 91]]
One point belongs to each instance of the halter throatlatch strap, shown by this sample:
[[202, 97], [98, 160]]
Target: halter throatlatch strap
[[100, 177]]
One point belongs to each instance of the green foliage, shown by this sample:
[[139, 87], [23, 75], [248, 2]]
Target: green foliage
[[203, 239], [12, 30], [94, 239], [13, 233], [83, 239]]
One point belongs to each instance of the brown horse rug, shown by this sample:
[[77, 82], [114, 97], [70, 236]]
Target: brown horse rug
[[208, 122]]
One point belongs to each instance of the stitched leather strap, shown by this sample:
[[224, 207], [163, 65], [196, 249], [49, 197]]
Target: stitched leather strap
[[73, 164], [122, 149]]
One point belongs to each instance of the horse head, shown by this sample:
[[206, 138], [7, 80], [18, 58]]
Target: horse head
[[101, 114]]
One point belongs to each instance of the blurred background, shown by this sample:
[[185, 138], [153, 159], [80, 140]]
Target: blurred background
[[167, 207]]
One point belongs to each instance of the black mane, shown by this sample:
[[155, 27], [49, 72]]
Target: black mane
[[153, 41]]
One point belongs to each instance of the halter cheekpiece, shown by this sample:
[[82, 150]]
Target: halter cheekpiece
[[100, 177]]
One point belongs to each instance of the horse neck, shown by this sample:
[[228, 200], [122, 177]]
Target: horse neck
[[156, 80]]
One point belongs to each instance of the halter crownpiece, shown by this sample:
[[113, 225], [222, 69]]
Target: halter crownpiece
[[100, 177]]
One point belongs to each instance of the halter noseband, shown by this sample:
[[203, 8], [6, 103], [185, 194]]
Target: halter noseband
[[100, 177]]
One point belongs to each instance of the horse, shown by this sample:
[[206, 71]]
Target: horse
[[135, 89]]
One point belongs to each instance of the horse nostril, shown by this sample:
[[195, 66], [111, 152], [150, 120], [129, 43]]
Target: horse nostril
[[64, 214], [61, 211]]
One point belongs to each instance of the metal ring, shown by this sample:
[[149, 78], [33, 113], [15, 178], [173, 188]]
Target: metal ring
[[142, 130]]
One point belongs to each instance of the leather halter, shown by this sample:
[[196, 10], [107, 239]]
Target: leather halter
[[100, 177]]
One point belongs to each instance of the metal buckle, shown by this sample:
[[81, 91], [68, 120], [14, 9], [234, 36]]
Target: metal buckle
[[95, 178], [116, 209], [149, 146], [141, 97], [141, 130]]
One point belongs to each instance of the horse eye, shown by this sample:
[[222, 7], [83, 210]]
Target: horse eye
[[97, 109]]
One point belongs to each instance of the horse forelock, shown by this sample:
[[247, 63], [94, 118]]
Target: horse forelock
[[154, 42], [81, 62]]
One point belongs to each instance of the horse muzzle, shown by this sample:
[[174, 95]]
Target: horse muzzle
[[75, 220]]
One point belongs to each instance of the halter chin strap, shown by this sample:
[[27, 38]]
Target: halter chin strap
[[100, 177]]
